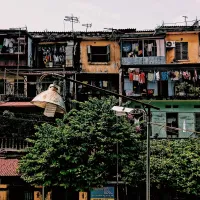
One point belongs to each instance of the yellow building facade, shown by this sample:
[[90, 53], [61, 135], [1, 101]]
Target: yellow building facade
[[186, 47], [100, 56]]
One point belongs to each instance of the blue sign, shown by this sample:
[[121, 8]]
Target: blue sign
[[102, 193]]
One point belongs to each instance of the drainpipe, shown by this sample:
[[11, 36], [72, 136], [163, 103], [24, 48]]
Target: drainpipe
[[120, 75]]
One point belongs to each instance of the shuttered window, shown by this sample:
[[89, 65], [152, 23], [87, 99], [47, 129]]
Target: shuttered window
[[98, 53], [197, 122], [181, 51]]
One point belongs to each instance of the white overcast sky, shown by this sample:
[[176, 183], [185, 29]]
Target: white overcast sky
[[39, 15]]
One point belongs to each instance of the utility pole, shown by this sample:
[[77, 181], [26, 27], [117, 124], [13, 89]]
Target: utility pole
[[185, 17], [87, 26], [72, 19]]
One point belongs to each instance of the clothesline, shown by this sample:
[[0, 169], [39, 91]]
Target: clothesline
[[136, 75]]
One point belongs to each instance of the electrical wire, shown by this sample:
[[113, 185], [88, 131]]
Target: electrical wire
[[174, 128]]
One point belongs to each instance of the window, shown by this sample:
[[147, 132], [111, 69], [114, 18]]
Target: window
[[168, 106], [175, 106], [172, 121], [1, 86], [181, 50], [98, 53], [197, 122], [20, 87]]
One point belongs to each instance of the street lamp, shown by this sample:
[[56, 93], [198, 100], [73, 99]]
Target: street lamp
[[60, 107], [51, 101], [120, 111]]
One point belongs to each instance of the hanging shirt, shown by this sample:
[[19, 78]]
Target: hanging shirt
[[131, 76], [142, 78], [149, 47], [6, 42], [157, 76], [186, 75], [164, 76], [136, 77], [100, 84], [150, 77], [105, 84], [177, 76], [195, 75], [136, 47]]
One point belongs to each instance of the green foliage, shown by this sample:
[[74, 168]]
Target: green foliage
[[175, 164], [79, 152]]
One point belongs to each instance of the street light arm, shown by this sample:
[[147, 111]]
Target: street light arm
[[114, 94]]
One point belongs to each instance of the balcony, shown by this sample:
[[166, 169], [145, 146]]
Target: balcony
[[13, 143], [152, 60]]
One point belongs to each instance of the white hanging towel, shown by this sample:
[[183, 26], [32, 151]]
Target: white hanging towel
[[184, 126]]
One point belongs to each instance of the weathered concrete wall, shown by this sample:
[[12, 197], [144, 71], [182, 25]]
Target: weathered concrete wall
[[110, 67]]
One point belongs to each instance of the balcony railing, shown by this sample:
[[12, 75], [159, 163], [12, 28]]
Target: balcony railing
[[13, 143], [143, 60]]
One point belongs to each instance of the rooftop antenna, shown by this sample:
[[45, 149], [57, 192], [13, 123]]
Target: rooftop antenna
[[87, 26], [185, 17], [196, 23], [72, 19]]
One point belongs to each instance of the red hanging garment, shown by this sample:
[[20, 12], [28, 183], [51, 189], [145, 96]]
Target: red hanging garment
[[131, 76], [142, 78]]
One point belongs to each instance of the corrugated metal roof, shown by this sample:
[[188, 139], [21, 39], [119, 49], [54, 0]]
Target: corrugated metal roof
[[176, 26], [8, 167]]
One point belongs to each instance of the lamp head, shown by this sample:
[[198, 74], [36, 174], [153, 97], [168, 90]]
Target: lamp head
[[51, 101]]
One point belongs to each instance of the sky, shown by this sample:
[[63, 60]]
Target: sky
[[40, 15]]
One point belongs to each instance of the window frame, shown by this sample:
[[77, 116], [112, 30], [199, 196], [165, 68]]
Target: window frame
[[90, 54], [181, 51]]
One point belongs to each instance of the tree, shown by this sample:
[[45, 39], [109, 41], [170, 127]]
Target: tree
[[175, 165], [79, 152]]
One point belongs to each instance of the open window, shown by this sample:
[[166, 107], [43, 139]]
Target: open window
[[98, 53], [172, 123], [181, 50]]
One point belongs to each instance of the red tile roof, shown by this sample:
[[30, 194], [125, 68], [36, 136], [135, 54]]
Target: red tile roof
[[16, 104], [8, 167]]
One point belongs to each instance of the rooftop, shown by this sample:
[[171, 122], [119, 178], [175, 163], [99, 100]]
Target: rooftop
[[8, 167]]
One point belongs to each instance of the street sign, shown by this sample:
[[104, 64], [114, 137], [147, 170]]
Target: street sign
[[105, 193]]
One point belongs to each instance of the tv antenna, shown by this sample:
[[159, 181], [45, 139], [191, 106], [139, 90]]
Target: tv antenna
[[185, 17], [87, 26], [72, 19]]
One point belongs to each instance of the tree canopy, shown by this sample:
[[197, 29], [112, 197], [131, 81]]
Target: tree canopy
[[79, 151], [174, 164]]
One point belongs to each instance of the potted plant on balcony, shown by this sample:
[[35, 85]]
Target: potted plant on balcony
[[182, 89], [192, 91]]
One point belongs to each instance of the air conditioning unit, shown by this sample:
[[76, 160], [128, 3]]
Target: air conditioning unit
[[170, 44]]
